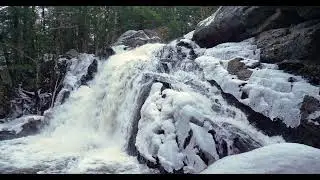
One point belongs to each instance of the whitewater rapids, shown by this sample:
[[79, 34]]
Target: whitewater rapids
[[155, 104], [88, 133]]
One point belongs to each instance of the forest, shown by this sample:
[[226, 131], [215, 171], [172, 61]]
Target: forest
[[169, 90], [28, 34]]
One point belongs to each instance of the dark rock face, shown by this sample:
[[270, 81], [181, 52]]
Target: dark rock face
[[300, 42], [92, 69], [297, 67], [238, 68], [309, 105], [236, 23], [106, 52], [134, 38]]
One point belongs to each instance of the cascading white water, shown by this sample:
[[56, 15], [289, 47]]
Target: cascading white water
[[92, 131], [88, 133]]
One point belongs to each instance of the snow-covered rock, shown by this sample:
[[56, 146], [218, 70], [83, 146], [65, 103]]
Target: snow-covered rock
[[282, 158], [179, 130], [132, 38], [24, 126], [185, 123], [268, 90]]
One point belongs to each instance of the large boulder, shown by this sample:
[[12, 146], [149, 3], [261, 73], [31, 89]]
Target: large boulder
[[20, 127], [132, 38], [236, 67], [236, 23], [300, 42]]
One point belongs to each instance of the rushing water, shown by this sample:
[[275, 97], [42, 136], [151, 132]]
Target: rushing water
[[89, 131], [120, 112]]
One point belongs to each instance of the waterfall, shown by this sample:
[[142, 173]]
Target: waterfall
[[89, 131], [148, 107]]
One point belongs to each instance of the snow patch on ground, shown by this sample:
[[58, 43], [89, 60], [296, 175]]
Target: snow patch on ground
[[282, 158]]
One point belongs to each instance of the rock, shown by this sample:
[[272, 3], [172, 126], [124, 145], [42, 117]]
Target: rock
[[309, 12], [20, 127], [92, 69], [72, 53], [236, 23], [134, 38], [235, 67], [299, 42], [309, 71], [309, 105], [183, 139], [106, 52]]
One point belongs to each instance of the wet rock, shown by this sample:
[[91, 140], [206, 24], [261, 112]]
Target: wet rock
[[132, 38], [235, 67], [106, 52], [92, 69], [309, 105], [24, 126], [309, 71]]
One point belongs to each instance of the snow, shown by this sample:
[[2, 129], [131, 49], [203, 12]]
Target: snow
[[181, 127], [268, 88], [189, 35], [282, 158], [314, 115], [119, 49], [167, 118]]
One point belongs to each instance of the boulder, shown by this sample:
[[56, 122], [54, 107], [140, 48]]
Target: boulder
[[134, 38], [236, 67], [106, 52], [300, 42], [20, 127], [236, 23], [309, 106], [92, 69], [297, 67], [72, 53]]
